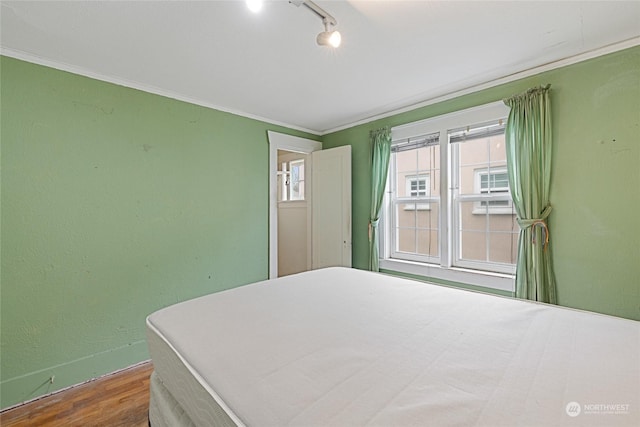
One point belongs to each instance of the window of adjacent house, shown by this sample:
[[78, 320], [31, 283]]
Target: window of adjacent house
[[417, 187], [492, 182], [459, 214]]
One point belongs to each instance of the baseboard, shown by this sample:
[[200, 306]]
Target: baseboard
[[35, 385]]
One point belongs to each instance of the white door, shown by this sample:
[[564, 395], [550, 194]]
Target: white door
[[331, 208], [280, 141]]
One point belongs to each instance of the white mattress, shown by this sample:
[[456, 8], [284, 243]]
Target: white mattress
[[343, 347]]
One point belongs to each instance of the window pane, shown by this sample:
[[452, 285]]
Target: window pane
[[482, 164], [499, 180], [297, 179], [417, 172], [487, 237], [428, 242], [503, 247], [417, 228], [406, 240], [484, 181], [427, 220], [406, 215], [473, 245], [428, 215]]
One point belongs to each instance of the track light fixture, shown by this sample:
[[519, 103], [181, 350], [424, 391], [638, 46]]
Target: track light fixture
[[328, 37]]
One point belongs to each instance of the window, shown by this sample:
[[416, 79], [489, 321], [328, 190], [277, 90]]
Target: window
[[296, 180], [492, 182], [417, 187], [291, 180], [448, 206]]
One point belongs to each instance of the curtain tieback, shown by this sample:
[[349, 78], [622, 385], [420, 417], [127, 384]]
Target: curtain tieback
[[372, 223], [538, 222]]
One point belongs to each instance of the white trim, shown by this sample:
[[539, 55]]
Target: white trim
[[35, 59], [503, 282], [605, 50], [280, 141], [479, 114]]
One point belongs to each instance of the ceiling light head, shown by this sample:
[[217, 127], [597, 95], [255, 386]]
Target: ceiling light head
[[325, 38], [329, 38], [254, 5]]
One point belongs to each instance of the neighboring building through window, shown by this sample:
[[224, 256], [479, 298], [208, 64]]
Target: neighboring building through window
[[448, 203]]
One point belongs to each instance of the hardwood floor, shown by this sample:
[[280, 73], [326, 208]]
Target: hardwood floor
[[120, 399]]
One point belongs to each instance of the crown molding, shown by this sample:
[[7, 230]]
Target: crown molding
[[36, 59], [497, 82], [39, 60]]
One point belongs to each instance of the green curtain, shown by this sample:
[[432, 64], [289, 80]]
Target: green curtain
[[528, 144], [380, 155]]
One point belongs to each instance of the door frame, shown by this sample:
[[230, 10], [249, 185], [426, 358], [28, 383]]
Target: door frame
[[280, 141]]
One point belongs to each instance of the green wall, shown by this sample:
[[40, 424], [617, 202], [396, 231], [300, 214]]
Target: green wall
[[595, 189], [115, 203]]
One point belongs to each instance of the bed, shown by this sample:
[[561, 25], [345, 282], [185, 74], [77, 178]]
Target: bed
[[343, 347]]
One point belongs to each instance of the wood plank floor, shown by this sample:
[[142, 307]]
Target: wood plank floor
[[120, 399]]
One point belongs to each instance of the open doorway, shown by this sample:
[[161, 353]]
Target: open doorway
[[294, 146], [293, 213], [323, 180]]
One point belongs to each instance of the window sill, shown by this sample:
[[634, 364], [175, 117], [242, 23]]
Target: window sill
[[490, 280]]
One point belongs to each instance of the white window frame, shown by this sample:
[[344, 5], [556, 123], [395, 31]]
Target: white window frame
[[444, 267]]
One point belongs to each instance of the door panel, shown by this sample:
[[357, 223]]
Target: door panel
[[331, 207]]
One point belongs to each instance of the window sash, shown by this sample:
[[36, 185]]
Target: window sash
[[420, 202], [413, 143], [482, 205], [394, 251]]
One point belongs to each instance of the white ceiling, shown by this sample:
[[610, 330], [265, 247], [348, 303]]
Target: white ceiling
[[267, 65]]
